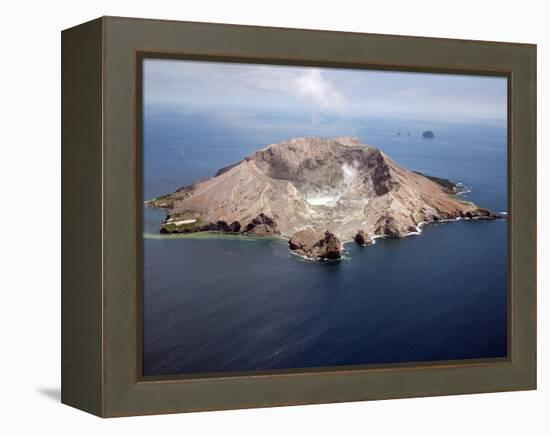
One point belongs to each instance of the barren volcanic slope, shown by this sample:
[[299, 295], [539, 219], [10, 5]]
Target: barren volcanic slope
[[316, 192]]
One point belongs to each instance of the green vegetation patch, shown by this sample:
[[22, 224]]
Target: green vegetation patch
[[448, 185]]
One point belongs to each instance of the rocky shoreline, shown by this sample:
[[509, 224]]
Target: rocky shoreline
[[312, 244]]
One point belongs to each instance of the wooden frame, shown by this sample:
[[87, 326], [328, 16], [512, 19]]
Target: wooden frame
[[101, 192]]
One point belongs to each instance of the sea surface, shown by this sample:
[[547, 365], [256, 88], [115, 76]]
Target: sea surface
[[221, 303]]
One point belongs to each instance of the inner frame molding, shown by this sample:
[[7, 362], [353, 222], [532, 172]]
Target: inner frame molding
[[143, 55]]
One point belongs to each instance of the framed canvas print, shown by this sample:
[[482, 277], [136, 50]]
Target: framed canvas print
[[262, 217]]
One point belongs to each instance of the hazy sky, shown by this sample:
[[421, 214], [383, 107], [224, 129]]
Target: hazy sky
[[322, 92]]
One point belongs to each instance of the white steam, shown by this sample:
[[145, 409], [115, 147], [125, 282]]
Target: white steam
[[349, 172], [323, 200], [313, 86]]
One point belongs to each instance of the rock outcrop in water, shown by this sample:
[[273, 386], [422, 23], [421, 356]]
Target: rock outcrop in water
[[313, 243], [428, 134], [315, 192], [361, 238]]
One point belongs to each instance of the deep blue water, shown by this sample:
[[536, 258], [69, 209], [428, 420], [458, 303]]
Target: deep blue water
[[216, 305]]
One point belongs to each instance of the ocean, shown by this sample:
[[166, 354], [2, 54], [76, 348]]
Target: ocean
[[224, 304]]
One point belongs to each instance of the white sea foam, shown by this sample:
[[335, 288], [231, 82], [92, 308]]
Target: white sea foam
[[375, 237], [408, 234]]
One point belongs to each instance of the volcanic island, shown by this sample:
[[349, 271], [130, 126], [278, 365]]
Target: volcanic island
[[316, 193]]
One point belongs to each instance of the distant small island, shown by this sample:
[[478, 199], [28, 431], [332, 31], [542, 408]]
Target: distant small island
[[428, 134], [315, 193]]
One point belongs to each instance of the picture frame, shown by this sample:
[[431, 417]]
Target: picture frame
[[101, 192]]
